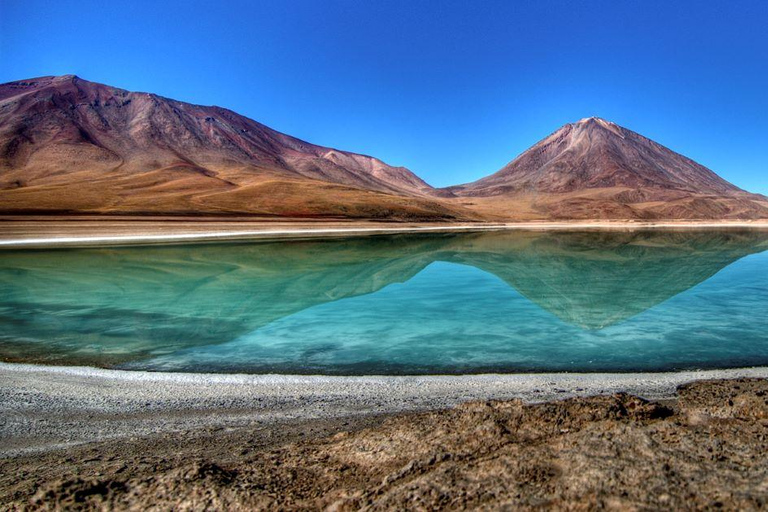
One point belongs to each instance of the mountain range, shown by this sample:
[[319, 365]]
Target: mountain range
[[70, 146]]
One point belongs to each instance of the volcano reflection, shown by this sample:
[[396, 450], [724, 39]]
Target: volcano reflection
[[116, 305]]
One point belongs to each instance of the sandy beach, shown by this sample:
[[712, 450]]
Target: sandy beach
[[85, 434]]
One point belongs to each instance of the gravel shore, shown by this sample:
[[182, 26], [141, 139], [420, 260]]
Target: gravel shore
[[44, 408], [84, 439]]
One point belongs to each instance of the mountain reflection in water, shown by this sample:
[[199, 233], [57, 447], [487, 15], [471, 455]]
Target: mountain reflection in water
[[141, 307]]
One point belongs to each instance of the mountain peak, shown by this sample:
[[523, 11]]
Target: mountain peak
[[606, 163], [596, 121], [592, 119]]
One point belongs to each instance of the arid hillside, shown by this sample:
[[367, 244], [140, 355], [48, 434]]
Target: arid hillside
[[597, 169], [70, 146]]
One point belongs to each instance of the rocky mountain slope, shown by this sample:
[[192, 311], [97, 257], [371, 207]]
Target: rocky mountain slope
[[595, 168], [70, 145]]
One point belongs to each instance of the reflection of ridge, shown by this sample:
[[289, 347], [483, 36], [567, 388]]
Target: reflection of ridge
[[145, 301], [113, 305]]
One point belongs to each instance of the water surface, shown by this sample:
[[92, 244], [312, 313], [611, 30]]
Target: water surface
[[404, 304]]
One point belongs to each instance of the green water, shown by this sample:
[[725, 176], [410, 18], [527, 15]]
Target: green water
[[407, 304]]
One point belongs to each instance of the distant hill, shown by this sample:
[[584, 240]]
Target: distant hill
[[598, 169], [70, 146]]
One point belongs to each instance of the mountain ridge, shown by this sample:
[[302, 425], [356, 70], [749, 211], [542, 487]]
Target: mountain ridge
[[294, 143], [68, 145], [192, 158]]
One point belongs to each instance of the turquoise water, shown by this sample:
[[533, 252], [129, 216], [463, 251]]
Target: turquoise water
[[408, 304]]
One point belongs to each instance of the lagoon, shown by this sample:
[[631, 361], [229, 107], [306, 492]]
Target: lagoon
[[508, 302]]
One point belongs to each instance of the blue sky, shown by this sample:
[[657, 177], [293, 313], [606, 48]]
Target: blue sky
[[452, 90]]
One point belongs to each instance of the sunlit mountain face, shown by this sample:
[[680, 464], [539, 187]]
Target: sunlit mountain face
[[458, 303], [71, 146]]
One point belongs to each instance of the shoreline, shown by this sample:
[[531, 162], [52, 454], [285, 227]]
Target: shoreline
[[52, 407], [52, 234], [110, 439]]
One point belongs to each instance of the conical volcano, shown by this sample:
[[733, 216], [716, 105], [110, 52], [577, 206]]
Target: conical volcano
[[596, 168]]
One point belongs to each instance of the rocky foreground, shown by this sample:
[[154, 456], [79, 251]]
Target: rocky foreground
[[706, 449]]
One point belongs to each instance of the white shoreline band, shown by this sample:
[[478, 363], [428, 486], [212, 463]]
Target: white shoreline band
[[221, 235]]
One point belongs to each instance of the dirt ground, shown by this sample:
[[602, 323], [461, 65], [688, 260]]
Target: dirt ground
[[708, 449]]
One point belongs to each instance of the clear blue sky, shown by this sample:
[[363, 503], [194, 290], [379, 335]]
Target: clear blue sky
[[452, 90]]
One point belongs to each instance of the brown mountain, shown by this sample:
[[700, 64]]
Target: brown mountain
[[595, 168], [72, 146], [69, 145]]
